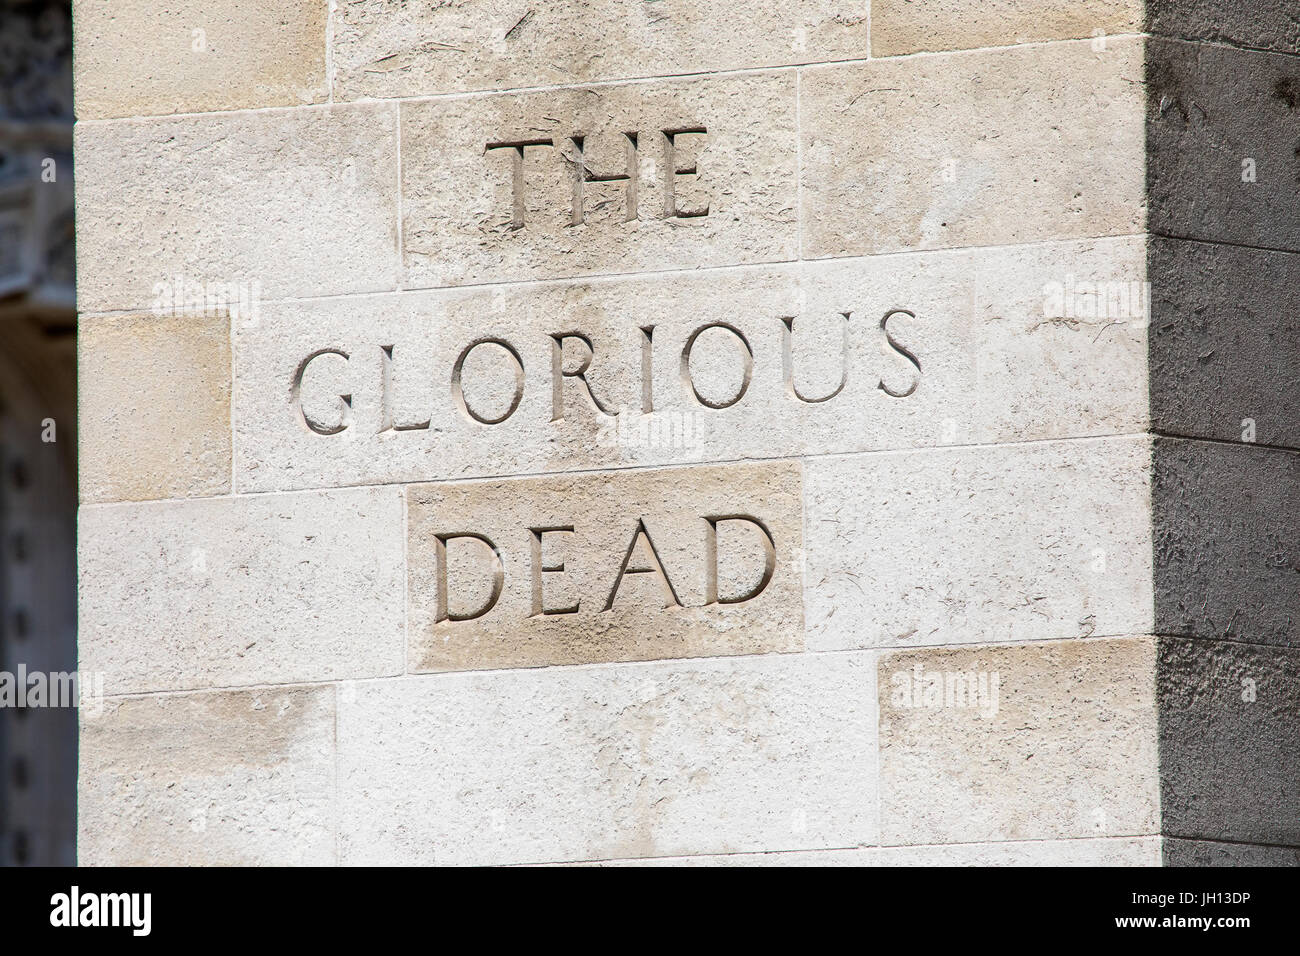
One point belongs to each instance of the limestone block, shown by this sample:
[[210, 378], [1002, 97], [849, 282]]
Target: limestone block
[[1016, 742], [1226, 551], [219, 779], [711, 756], [383, 49], [1229, 752], [1221, 130], [973, 149], [278, 203], [153, 406], [238, 591], [1224, 342], [944, 348], [1260, 24], [641, 565], [137, 57], [646, 176], [976, 545], [903, 26]]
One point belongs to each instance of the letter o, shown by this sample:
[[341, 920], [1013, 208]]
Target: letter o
[[686, 364], [458, 392]]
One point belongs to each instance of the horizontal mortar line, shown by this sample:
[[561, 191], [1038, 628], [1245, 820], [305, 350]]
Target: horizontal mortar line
[[1220, 45], [1200, 240], [615, 277], [1231, 442], [627, 468], [1199, 638], [852, 847], [536, 669], [776, 68]]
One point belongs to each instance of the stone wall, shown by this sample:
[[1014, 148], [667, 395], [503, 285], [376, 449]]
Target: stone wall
[[780, 432]]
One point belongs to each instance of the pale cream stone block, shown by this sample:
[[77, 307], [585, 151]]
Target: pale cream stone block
[[905, 26], [276, 203], [710, 166], [239, 591], [976, 545], [973, 149], [140, 57], [637, 565], [219, 779], [1065, 747], [384, 49], [153, 406], [717, 756], [998, 345]]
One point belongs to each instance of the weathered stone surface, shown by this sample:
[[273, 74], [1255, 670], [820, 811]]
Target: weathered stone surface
[[1224, 342], [718, 756], [221, 779], [1066, 747], [478, 210], [384, 49], [1108, 851], [1011, 346], [300, 202], [153, 406], [1207, 853], [976, 545], [973, 149], [1226, 551], [639, 565], [1229, 752], [902, 26], [237, 591], [1221, 144], [136, 57], [1261, 24]]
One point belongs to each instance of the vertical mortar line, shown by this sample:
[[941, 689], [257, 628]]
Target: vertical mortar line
[[231, 339], [406, 590], [397, 107], [869, 28], [334, 811]]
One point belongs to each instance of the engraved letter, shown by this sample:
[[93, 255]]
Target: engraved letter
[[517, 169], [686, 364], [558, 374], [655, 566], [671, 211], [901, 350], [711, 595], [458, 392], [647, 370], [540, 567], [498, 578], [295, 395], [387, 423], [787, 361], [583, 174]]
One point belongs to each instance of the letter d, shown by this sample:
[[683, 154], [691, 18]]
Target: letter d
[[498, 577]]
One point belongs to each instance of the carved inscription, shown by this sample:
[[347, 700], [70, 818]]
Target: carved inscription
[[487, 382], [590, 179], [619, 566]]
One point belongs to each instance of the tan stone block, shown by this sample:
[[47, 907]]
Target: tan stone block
[[137, 57], [279, 203], [382, 49], [904, 26], [1019, 742], [999, 361], [225, 779], [226, 592], [970, 149], [153, 406], [477, 209], [605, 567]]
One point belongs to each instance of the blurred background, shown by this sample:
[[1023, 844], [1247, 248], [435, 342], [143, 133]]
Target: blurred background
[[38, 431]]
